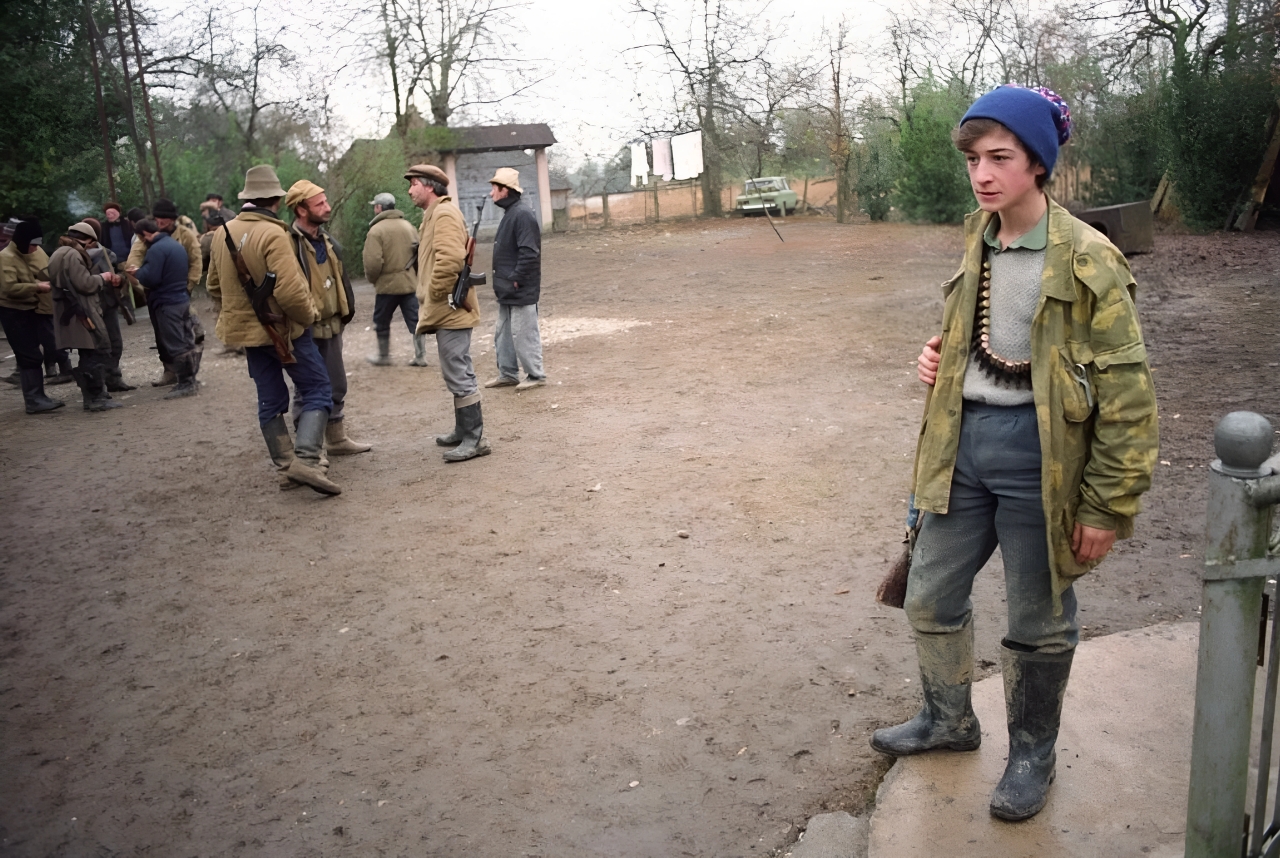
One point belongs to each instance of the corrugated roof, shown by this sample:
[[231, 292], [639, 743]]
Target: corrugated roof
[[501, 138]]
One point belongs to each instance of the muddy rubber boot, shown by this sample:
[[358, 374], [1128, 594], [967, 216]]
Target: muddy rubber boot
[[383, 357], [1034, 685], [305, 467], [280, 446], [64, 373], [185, 370], [419, 350], [454, 438], [473, 443], [93, 386], [33, 395], [167, 379], [336, 442], [946, 719], [116, 382]]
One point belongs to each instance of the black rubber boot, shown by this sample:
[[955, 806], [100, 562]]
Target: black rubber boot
[[96, 379], [454, 438], [308, 446], [184, 367], [33, 395], [471, 422], [1034, 685], [63, 374], [280, 446], [116, 382], [946, 719], [419, 350]]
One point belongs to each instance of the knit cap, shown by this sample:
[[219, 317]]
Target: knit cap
[[1038, 117]]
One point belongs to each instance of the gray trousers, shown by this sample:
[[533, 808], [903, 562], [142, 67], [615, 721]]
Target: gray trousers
[[454, 348], [330, 350], [516, 339]]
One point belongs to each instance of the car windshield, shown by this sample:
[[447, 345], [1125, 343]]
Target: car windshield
[[754, 185]]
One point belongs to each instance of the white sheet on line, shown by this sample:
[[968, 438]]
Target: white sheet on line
[[639, 165], [686, 153], [662, 165]]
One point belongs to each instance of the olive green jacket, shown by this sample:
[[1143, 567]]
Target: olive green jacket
[[1095, 402]]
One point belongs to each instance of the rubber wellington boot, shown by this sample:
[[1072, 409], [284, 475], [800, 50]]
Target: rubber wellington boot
[[419, 350], [33, 395], [1034, 686], [63, 375], [280, 446], [383, 357], [473, 443], [185, 370], [97, 380], [336, 442], [305, 467], [454, 438], [116, 382], [946, 720]]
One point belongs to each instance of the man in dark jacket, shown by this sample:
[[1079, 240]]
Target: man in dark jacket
[[164, 275], [117, 232], [517, 282]]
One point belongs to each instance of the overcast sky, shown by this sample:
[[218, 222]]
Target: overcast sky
[[589, 95]]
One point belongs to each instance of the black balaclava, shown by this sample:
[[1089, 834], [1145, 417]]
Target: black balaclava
[[512, 197], [25, 232]]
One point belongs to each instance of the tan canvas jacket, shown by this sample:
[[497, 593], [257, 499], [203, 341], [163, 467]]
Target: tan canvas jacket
[[442, 251], [1095, 402], [19, 273], [264, 243], [326, 283], [387, 250]]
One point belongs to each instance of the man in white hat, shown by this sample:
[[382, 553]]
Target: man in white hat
[[283, 342], [388, 253], [442, 254], [321, 261], [517, 284]]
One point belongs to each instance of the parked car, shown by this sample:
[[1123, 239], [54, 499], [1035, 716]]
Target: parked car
[[768, 192]]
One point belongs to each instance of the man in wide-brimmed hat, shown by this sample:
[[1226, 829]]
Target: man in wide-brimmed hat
[[517, 284], [321, 261], [282, 341], [388, 252], [442, 254]]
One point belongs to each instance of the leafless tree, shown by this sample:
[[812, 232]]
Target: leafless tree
[[842, 90], [709, 48]]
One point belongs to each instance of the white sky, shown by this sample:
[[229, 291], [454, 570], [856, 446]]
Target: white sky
[[589, 97]]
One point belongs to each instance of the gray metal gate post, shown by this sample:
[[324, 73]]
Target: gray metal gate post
[[1236, 567]]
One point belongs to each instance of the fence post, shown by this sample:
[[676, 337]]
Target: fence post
[[1237, 530]]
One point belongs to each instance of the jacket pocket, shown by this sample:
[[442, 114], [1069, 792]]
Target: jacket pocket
[[1075, 381]]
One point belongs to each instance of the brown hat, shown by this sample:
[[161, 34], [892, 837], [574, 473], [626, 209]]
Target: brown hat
[[96, 224], [82, 230], [428, 171], [301, 191], [261, 183], [112, 204], [508, 177]]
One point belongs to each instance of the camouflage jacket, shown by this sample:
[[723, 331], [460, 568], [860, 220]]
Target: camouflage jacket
[[1095, 402]]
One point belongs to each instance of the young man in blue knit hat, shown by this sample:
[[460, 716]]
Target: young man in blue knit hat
[[1039, 436]]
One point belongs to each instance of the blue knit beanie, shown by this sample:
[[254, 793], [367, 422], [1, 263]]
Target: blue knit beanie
[[1037, 117]]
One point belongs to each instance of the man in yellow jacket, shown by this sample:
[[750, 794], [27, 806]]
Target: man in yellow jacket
[[442, 253], [281, 342], [321, 262], [1039, 436]]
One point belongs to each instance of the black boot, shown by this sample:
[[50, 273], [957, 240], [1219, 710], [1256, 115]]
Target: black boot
[[184, 367], [280, 446], [96, 390], [307, 448], [383, 355], [454, 438], [946, 719], [33, 395], [63, 374], [115, 380], [1034, 686], [471, 422]]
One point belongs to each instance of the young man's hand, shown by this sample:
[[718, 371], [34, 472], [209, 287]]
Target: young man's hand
[[927, 363], [1090, 543]]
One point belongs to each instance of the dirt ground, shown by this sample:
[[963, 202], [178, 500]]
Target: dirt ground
[[643, 627]]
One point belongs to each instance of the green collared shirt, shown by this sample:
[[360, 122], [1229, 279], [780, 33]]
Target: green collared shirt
[[1037, 238]]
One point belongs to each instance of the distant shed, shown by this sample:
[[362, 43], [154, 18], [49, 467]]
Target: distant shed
[[481, 149]]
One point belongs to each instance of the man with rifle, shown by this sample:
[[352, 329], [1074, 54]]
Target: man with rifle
[[266, 306], [442, 259], [321, 261]]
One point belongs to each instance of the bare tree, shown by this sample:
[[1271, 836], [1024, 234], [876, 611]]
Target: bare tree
[[842, 91], [709, 52], [759, 104]]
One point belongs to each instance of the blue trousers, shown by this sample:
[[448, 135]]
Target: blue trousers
[[995, 500], [385, 306], [309, 374]]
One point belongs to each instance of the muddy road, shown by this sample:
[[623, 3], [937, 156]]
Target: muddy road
[[644, 626]]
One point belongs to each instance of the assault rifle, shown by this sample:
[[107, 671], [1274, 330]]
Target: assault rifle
[[75, 306], [458, 297], [259, 294]]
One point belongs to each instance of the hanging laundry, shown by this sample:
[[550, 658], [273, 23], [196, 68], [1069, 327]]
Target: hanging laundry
[[639, 165], [662, 165], [686, 153]]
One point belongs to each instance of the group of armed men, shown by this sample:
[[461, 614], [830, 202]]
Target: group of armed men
[[282, 298]]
